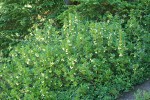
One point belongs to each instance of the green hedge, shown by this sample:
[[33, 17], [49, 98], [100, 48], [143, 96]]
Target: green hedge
[[99, 48], [84, 60]]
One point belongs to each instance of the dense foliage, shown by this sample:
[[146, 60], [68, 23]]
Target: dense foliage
[[16, 17], [91, 50]]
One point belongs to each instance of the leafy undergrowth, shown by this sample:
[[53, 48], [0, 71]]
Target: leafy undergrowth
[[142, 95], [84, 60]]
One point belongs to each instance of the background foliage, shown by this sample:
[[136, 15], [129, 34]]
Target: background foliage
[[18, 16], [88, 50]]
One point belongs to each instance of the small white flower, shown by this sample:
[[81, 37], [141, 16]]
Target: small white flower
[[75, 60], [17, 83], [95, 43], [42, 82], [70, 44], [68, 41], [91, 60], [28, 61], [43, 49], [28, 6], [96, 30], [42, 39], [17, 77], [71, 67], [120, 54], [42, 74], [36, 54], [73, 63], [63, 49]]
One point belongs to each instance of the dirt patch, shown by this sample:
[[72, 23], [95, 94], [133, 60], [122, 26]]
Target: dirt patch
[[130, 95]]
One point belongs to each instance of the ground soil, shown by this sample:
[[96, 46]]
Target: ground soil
[[130, 95]]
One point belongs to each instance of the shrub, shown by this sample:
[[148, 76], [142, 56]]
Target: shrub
[[83, 60]]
